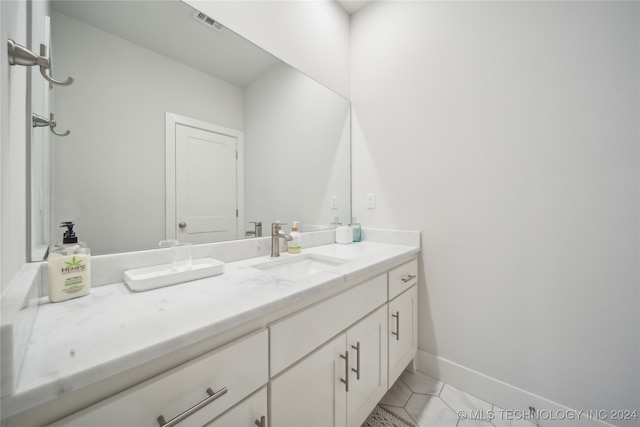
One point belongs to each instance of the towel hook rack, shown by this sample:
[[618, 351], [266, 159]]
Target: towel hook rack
[[39, 121], [20, 55]]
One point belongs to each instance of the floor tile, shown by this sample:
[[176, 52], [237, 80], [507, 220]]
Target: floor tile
[[398, 395], [428, 402], [502, 419], [421, 383], [458, 400], [430, 411], [474, 423]]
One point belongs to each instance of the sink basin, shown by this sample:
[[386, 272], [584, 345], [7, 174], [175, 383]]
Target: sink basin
[[300, 266]]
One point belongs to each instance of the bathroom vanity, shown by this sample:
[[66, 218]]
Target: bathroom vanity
[[252, 346]]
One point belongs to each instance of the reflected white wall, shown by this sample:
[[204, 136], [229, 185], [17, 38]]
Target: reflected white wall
[[112, 188], [291, 157]]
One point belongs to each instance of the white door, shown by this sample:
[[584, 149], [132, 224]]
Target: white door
[[205, 185]]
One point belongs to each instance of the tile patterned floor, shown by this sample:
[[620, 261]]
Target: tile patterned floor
[[428, 402]]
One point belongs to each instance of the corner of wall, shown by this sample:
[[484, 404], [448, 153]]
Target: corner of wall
[[13, 84]]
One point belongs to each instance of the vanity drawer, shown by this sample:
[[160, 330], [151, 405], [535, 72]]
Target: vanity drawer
[[239, 367], [297, 335], [402, 278], [251, 412]]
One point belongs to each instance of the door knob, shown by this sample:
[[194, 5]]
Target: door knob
[[182, 225]]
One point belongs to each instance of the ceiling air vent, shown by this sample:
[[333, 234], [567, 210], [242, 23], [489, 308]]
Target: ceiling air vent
[[208, 21]]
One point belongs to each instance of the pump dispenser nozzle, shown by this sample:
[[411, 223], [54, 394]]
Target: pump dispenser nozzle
[[69, 235]]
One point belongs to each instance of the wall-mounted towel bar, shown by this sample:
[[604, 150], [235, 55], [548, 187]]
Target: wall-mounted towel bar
[[39, 121], [20, 55]]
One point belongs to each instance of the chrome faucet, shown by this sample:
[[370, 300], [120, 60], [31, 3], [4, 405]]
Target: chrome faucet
[[275, 238], [257, 229]]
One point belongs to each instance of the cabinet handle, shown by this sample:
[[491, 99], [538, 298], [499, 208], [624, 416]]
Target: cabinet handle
[[408, 277], [262, 422], [397, 333], [357, 368], [212, 396], [345, 356]]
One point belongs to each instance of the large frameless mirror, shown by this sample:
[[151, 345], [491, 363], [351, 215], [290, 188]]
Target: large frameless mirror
[[179, 128]]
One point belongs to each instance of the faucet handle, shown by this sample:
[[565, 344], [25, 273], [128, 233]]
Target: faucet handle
[[257, 229], [277, 226]]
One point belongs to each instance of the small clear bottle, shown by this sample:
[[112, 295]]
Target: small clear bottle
[[357, 230], [69, 267], [336, 222]]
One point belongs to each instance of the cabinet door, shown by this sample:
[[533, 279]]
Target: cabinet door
[[311, 393], [367, 345], [403, 331], [249, 413]]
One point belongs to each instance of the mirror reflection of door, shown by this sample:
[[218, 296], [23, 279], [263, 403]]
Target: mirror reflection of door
[[206, 165]]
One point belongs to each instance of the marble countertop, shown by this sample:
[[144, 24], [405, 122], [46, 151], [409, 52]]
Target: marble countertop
[[83, 341]]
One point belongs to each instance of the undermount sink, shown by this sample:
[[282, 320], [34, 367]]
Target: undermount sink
[[300, 266]]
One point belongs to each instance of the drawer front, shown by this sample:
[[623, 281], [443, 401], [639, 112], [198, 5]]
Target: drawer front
[[297, 335], [402, 278], [250, 413], [239, 367]]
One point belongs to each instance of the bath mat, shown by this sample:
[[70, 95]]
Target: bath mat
[[381, 417]]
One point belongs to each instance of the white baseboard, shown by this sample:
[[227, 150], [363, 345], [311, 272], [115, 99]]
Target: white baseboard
[[513, 400]]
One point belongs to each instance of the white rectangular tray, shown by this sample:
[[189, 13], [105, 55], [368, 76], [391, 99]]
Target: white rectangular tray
[[144, 279]]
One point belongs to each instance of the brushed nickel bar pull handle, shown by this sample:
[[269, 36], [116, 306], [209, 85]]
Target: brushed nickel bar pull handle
[[357, 368], [346, 369], [212, 396], [262, 422], [408, 278], [397, 333]]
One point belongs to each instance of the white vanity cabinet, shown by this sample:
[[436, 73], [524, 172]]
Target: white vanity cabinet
[[296, 335], [251, 412], [323, 362], [196, 392], [338, 384], [311, 393], [366, 344], [341, 382], [403, 317]]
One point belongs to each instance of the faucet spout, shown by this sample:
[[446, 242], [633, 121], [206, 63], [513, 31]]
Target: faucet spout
[[275, 238]]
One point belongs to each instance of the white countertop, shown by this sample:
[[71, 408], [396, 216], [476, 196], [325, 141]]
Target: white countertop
[[85, 340]]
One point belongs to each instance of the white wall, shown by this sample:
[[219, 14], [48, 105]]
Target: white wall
[[292, 170], [110, 213], [13, 96], [311, 36], [507, 132]]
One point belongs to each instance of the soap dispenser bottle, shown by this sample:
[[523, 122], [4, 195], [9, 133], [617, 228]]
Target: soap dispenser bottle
[[69, 267], [295, 244]]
